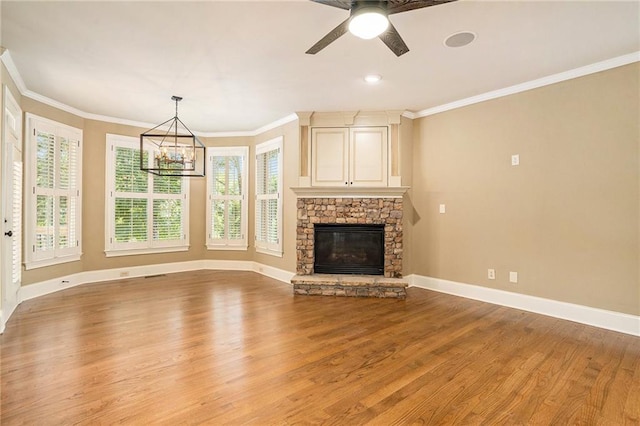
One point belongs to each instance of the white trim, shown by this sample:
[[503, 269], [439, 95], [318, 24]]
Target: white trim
[[349, 191], [6, 314], [223, 247], [224, 243], [266, 247], [131, 252], [37, 259], [150, 245], [13, 71], [42, 288], [544, 81], [271, 272], [24, 91], [610, 320], [276, 253], [533, 84], [34, 264], [281, 122]]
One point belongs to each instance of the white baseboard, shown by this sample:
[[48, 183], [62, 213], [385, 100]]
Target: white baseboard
[[610, 320], [42, 288], [271, 272], [616, 321]]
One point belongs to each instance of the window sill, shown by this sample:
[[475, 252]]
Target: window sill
[[222, 247], [51, 262], [134, 252], [269, 252]]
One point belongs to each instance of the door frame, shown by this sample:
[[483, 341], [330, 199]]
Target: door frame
[[9, 291]]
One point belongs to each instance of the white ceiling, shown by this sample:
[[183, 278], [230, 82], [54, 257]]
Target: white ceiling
[[241, 65]]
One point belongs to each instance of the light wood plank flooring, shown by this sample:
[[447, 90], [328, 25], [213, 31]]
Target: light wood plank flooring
[[214, 347]]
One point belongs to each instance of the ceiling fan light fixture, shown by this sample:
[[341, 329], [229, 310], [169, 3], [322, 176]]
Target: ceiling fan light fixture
[[368, 22]]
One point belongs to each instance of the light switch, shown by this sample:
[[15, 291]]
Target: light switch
[[513, 277], [515, 160], [443, 208]]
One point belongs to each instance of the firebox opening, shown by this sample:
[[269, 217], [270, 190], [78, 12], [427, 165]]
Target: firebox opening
[[349, 249]]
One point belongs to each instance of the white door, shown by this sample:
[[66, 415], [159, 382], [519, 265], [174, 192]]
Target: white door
[[11, 267]]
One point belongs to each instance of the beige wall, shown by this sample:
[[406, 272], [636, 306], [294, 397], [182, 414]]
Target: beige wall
[[406, 171], [567, 219]]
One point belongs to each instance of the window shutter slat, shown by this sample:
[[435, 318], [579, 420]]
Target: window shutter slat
[[16, 216]]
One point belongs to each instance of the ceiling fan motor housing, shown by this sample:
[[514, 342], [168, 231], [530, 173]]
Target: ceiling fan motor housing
[[364, 6]]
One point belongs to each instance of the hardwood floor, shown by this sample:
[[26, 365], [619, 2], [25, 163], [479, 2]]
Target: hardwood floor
[[222, 347]]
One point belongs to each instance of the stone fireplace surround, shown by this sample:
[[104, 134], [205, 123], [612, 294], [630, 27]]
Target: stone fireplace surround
[[369, 211], [335, 210]]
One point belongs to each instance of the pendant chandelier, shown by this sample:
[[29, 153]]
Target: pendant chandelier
[[175, 151]]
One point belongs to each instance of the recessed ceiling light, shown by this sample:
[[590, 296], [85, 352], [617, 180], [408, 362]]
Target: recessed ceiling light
[[372, 78], [460, 39]]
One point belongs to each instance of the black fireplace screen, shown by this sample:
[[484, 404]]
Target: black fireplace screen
[[349, 249]]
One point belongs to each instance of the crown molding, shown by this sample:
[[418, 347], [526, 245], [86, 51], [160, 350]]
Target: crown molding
[[13, 71], [534, 84]]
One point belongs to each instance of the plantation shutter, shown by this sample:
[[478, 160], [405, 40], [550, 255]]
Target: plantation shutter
[[68, 192], [227, 205], [53, 199], [16, 243], [131, 185], [269, 197], [44, 190]]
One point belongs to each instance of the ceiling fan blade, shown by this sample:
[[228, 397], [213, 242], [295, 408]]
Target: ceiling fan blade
[[392, 39], [342, 4], [329, 38], [397, 6]]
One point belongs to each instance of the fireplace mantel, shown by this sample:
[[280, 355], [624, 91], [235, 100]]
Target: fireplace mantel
[[349, 191]]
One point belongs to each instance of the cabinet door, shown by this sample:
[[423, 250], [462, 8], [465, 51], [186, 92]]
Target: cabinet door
[[368, 156], [329, 156]]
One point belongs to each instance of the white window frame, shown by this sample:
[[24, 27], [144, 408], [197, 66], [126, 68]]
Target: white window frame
[[273, 249], [38, 259], [113, 248], [228, 244]]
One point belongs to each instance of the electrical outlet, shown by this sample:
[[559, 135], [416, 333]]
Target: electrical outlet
[[513, 277], [443, 208], [491, 274], [515, 160]]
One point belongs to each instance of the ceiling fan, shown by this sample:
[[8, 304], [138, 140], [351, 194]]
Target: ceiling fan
[[369, 19]]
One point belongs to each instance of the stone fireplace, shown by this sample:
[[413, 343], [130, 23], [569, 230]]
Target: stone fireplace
[[369, 211], [384, 211]]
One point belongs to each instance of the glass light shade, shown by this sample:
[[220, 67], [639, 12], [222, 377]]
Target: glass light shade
[[368, 23]]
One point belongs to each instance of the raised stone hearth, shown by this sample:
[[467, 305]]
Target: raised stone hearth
[[349, 285]]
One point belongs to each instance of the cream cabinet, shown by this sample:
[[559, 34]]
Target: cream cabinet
[[355, 156]]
